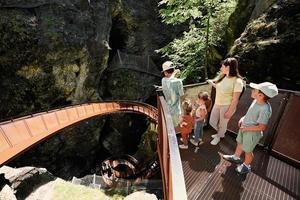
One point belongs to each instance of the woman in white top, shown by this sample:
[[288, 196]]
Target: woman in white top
[[229, 86]]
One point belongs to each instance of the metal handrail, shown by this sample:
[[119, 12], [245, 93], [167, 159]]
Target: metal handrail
[[172, 173], [54, 109]]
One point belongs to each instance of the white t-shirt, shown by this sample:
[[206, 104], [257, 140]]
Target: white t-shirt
[[173, 90]]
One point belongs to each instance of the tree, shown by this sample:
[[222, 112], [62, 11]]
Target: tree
[[206, 21]]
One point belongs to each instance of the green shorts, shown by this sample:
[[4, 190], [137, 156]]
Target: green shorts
[[248, 140]]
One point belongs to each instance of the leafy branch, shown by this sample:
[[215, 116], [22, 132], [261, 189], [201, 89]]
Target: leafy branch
[[207, 23]]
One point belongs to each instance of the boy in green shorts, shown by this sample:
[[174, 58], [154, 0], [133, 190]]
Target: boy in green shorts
[[253, 124]]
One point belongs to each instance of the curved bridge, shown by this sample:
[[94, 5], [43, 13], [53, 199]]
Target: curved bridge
[[18, 135]]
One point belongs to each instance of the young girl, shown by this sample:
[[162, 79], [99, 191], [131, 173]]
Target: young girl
[[186, 124], [204, 106]]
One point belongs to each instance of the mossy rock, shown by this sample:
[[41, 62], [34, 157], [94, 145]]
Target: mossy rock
[[269, 46]]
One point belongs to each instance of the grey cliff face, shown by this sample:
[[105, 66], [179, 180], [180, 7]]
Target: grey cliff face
[[60, 52], [269, 46], [53, 50]]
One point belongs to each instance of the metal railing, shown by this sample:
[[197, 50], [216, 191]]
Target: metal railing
[[171, 167]]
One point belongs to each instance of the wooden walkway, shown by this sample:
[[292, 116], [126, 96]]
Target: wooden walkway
[[208, 176]]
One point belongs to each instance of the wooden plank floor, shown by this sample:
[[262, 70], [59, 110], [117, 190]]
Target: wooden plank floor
[[209, 176]]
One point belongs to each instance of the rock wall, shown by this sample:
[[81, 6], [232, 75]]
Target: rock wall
[[52, 53], [58, 52], [269, 46]]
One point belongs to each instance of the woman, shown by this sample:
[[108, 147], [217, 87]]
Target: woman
[[229, 86]]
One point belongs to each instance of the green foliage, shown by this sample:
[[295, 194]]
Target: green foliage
[[147, 147], [179, 11], [207, 21], [63, 190]]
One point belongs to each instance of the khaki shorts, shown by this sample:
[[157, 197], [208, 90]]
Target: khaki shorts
[[248, 140]]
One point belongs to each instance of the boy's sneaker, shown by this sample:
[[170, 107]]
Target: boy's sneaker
[[243, 169], [214, 135], [232, 158], [182, 146], [215, 141]]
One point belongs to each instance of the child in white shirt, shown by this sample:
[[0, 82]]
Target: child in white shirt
[[204, 106]]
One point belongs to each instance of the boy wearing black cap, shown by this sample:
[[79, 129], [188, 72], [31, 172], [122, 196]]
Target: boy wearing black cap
[[253, 124]]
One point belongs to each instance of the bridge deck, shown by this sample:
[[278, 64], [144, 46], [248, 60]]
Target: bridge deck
[[209, 176]]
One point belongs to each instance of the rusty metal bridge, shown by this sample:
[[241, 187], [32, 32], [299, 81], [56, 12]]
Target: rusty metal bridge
[[18, 135]]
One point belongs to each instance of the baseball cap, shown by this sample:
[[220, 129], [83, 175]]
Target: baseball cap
[[167, 65], [269, 89]]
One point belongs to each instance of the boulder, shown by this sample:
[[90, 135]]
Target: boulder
[[24, 180]]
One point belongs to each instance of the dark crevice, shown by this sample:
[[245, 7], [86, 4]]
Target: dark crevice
[[118, 36]]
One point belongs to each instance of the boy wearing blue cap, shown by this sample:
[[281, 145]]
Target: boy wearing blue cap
[[253, 124]]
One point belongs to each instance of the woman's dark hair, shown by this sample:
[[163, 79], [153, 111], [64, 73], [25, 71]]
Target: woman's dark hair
[[233, 68]]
